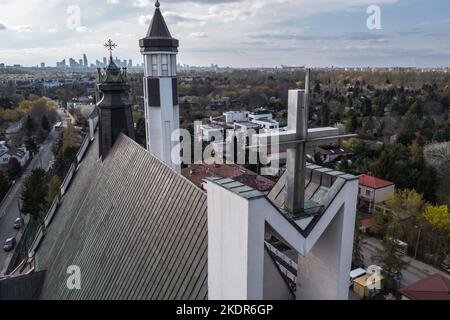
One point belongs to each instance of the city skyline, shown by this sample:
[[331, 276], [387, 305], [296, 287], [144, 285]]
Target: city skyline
[[259, 33]]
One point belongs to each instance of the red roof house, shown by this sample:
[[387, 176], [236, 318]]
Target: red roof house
[[374, 182], [435, 287]]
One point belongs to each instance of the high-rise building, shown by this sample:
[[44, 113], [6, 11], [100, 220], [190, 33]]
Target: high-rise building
[[85, 61], [161, 89], [130, 63], [61, 64], [42, 65], [2, 66], [72, 63], [105, 62]]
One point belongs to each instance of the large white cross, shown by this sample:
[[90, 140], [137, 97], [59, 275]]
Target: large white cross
[[296, 139]]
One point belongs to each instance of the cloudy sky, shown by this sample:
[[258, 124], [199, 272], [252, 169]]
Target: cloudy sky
[[236, 33]]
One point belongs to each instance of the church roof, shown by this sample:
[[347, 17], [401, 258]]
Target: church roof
[[158, 37], [136, 229], [25, 287], [158, 27]]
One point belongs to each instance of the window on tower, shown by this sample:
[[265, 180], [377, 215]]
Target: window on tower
[[173, 60], [165, 65], [154, 65]]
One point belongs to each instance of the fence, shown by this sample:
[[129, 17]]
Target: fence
[[83, 148], [53, 208], [34, 233], [282, 256], [67, 180], [51, 212]]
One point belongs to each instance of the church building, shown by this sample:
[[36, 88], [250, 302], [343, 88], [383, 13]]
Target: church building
[[132, 227]]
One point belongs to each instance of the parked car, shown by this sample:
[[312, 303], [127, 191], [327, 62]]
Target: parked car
[[18, 223], [355, 274], [9, 244]]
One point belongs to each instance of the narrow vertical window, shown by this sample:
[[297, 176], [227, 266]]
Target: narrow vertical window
[[165, 65], [154, 65], [173, 59]]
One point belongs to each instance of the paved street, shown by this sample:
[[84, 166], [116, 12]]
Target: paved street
[[9, 209], [415, 271]]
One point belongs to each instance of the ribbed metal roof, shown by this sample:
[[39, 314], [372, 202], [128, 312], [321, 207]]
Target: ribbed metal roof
[[136, 229], [158, 27], [25, 287]]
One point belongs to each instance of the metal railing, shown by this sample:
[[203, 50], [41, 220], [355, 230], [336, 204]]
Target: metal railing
[[67, 180], [282, 256], [83, 148], [51, 211]]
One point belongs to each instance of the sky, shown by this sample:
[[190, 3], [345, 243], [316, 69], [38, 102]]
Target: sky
[[235, 33]]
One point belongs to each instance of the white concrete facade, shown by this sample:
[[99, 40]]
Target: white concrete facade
[[236, 256], [163, 121]]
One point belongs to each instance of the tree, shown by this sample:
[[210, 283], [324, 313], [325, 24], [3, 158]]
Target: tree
[[53, 190], [45, 124], [31, 145], [33, 193], [4, 185], [357, 257], [30, 126], [324, 115], [14, 168], [140, 132], [409, 123], [391, 262], [395, 164], [438, 217]]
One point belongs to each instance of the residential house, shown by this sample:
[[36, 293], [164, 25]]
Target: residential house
[[372, 191], [434, 287], [330, 153], [21, 154]]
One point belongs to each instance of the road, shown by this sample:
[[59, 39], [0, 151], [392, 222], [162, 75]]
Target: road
[[415, 271], [9, 208]]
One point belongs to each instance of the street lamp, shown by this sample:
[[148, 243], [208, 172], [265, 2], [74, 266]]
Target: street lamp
[[417, 243]]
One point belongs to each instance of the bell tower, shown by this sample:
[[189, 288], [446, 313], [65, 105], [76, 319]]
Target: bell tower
[[160, 50], [115, 116]]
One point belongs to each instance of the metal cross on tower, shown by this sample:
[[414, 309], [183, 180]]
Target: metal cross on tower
[[295, 140], [110, 45]]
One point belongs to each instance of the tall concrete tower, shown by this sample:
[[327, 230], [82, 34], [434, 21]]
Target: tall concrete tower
[[161, 90]]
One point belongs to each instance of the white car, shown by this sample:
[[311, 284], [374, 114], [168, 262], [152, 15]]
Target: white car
[[9, 244], [18, 223]]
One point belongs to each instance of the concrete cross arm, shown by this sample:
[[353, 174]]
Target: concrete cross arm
[[289, 139]]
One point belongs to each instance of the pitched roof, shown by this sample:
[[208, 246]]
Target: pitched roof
[[373, 182], [158, 27], [435, 287], [136, 229], [26, 287]]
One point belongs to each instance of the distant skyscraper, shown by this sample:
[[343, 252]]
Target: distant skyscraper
[[2, 66], [80, 63], [61, 64], [42, 65], [130, 63], [105, 62], [72, 63], [85, 60]]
